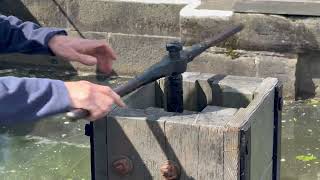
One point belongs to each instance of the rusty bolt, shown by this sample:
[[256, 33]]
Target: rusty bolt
[[122, 166], [170, 170]]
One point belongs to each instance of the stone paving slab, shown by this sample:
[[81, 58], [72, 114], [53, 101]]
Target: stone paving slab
[[217, 4], [137, 52], [261, 33], [130, 17], [285, 7]]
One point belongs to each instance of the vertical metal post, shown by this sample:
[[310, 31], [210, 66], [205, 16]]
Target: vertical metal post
[[89, 132], [174, 82], [278, 103]]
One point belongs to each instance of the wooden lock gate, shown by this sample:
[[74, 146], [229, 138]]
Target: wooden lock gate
[[230, 130]]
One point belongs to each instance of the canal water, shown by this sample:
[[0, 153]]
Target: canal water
[[54, 149], [301, 141]]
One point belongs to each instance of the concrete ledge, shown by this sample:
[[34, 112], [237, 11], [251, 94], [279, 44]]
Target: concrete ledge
[[131, 17], [137, 52], [308, 75], [249, 63], [45, 12], [261, 33], [286, 7], [217, 4], [117, 16]]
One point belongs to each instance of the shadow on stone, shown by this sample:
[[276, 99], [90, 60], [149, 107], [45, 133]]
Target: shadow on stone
[[16, 8]]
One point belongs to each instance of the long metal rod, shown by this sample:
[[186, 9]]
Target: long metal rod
[[197, 49], [68, 18]]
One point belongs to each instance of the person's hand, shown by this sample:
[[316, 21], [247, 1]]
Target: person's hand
[[88, 52], [98, 100]]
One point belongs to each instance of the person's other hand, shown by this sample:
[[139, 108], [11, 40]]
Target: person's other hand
[[98, 100], [88, 52]]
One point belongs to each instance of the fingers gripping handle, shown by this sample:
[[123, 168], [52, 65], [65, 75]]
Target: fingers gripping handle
[[132, 85], [76, 114]]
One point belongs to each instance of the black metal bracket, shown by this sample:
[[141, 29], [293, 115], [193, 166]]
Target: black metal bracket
[[245, 153], [278, 103], [89, 132], [174, 81]]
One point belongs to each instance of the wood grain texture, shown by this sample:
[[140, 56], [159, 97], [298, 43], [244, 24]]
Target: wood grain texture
[[210, 153], [262, 137], [139, 139], [189, 91], [206, 145], [231, 153], [182, 141], [259, 116]]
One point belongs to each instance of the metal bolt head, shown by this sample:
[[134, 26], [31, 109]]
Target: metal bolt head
[[174, 46], [122, 166], [170, 170]]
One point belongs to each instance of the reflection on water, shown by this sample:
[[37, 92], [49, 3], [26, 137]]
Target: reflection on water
[[301, 141]]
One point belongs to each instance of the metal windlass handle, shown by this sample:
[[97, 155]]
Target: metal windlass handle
[[163, 68]]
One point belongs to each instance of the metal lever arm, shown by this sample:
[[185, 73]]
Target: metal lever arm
[[165, 67]]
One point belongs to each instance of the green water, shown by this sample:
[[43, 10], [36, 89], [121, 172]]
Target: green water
[[301, 141], [56, 149], [45, 156]]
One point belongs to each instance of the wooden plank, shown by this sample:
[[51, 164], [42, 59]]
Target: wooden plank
[[220, 111], [259, 117], [267, 175], [243, 114], [183, 144], [189, 91], [233, 91], [211, 146], [138, 138], [135, 99], [285, 7], [210, 153], [204, 89], [262, 131], [210, 119], [231, 154], [205, 145]]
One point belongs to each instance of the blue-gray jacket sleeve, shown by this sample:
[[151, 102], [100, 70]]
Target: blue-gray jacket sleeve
[[27, 99], [25, 37]]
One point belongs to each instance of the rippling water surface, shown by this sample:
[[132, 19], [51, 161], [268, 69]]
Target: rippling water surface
[[301, 141]]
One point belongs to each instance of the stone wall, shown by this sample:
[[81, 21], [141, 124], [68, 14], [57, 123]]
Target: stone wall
[[270, 45]]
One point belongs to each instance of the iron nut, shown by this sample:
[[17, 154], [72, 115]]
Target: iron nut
[[170, 170], [122, 166], [174, 46]]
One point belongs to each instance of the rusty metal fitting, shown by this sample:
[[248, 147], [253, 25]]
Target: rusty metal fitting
[[170, 170], [122, 166]]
